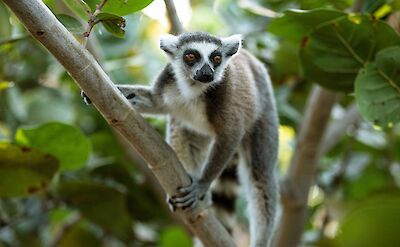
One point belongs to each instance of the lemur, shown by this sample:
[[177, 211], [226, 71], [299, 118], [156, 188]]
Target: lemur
[[221, 112]]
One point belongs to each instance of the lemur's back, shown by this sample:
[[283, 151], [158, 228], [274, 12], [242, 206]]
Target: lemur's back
[[243, 94]]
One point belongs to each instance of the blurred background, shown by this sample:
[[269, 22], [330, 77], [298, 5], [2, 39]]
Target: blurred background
[[66, 179]]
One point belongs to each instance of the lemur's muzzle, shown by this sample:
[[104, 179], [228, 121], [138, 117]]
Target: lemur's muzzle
[[205, 74]]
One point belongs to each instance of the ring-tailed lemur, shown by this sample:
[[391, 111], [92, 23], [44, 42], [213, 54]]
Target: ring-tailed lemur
[[221, 110]]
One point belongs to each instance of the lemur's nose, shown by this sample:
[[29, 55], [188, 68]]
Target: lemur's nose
[[205, 74]]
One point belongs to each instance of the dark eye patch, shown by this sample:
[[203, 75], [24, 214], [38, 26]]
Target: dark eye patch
[[214, 54], [195, 53]]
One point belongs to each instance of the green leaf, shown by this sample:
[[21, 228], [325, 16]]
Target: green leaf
[[70, 23], [374, 222], [175, 237], [334, 52], [295, 24], [377, 88], [5, 25], [113, 23], [64, 141], [80, 235], [101, 204], [334, 45], [79, 7], [24, 170], [125, 7]]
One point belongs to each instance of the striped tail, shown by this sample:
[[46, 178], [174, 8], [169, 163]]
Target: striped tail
[[224, 192]]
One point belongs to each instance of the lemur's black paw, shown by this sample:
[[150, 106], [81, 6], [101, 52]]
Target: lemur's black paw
[[131, 96], [189, 196], [85, 98]]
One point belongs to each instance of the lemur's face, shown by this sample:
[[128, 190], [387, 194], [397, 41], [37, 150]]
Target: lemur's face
[[199, 57]]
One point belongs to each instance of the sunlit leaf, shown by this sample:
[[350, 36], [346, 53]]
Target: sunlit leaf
[[175, 237], [5, 84], [384, 10], [377, 88], [125, 7], [24, 170], [64, 141]]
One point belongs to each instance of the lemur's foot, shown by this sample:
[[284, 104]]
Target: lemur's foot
[[85, 98], [188, 197]]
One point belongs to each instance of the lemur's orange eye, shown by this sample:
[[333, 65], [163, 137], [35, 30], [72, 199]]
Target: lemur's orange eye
[[216, 59], [190, 57]]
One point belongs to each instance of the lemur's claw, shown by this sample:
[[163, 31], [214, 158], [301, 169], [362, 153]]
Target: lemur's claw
[[189, 196], [171, 205], [85, 98]]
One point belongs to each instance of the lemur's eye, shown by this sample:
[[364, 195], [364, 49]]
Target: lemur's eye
[[190, 57], [216, 59]]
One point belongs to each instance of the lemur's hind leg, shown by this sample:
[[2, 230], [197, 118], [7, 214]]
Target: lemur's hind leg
[[258, 179], [191, 149]]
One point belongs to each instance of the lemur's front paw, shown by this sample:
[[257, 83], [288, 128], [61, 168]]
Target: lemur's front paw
[[85, 98], [137, 96], [189, 196]]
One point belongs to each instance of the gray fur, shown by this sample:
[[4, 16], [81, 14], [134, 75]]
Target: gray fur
[[211, 122]]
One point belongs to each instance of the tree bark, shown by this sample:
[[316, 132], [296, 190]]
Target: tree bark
[[81, 65], [294, 192]]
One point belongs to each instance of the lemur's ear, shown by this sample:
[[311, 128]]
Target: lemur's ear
[[232, 44], [169, 43]]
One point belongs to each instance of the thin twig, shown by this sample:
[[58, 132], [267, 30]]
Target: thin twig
[[93, 21]]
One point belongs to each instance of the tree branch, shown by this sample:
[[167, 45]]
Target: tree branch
[[295, 189], [81, 65], [294, 192], [176, 25], [338, 129]]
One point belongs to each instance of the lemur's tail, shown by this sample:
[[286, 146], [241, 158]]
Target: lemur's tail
[[224, 193]]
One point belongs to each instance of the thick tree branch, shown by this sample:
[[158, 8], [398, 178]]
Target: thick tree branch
[[309, 148], [81, 65], [303, 167]]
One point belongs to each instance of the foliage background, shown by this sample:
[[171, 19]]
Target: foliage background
[[66, 179]]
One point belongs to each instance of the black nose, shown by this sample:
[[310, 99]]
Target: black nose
[[205, 74]]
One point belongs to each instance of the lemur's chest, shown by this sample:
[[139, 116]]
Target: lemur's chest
[[191, 113]]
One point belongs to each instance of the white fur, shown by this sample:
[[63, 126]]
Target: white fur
[[189, 88], [192, 113], [169, 41], [233, 40]]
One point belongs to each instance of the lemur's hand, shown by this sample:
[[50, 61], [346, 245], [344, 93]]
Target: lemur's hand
[[138, 96], [85, 98], [189, 197]]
